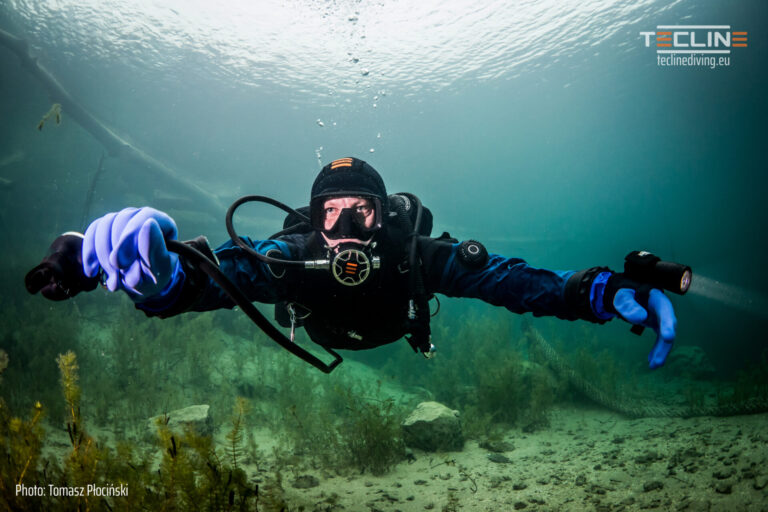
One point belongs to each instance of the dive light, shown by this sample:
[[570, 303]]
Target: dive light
[[647, 268]]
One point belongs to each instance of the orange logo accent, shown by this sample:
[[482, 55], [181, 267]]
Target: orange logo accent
[[663, 41], [341, 162], [742, 40], [694, 39], [351, 267]]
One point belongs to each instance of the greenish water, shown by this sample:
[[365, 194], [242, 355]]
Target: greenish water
[[546, 132]]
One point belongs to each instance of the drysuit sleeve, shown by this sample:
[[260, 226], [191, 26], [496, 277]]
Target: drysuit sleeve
[[198, 292], [508, 282]]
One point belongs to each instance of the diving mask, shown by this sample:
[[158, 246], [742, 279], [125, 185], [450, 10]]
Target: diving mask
[[349, 223]]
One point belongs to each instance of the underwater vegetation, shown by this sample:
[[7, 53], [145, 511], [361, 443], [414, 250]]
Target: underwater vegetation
[[147, 365], [129, 368], [371, 434], [483, 371], [137, 368], [32, 339], [336, 425], [596, 364], [751, 383], [191, 474]]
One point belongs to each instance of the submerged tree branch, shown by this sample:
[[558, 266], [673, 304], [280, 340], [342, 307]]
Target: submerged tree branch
[[114, 144]]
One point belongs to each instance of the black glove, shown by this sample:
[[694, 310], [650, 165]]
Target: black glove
[[60, 276]]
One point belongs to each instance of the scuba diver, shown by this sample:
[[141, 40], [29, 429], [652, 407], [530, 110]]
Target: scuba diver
[[357, 269]]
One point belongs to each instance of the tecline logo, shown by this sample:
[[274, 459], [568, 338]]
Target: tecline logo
[[694, 45]]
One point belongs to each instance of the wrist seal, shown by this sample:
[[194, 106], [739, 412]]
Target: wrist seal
[[577, 294], [194, 285]]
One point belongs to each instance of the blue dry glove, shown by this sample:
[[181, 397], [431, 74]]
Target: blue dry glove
[[638, 304], [129, 246]]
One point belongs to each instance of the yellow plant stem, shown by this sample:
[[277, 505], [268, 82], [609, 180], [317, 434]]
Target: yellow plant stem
[[21, 477], [39, 409]]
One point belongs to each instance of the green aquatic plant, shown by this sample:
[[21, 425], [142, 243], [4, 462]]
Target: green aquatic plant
[[694, 395], [598, 366], [235, 435], [371, 432], [145, 365], [482, 371], [332, 425], [477, 424], [751, 383], [194, 477], [301, 410], [81, 466], [512, 390], [68, 370], [33, 337], [452, 503], [312, 436], [3, 363], [188, 473], [21, 444]]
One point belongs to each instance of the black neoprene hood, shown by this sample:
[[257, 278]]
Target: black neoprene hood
[[346, 177]]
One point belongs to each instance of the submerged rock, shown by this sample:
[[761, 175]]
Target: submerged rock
[[499, 458], [653, 485], [433, 427], [305, 482], [495, 446], [724, 487], [197, 416]]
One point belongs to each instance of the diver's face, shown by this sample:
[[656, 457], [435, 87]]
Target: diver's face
[[363, 208]]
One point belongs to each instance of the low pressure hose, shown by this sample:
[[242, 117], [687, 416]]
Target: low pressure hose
[[244, 246], [237, 296]]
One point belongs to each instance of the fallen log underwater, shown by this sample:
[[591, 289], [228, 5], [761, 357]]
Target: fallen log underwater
[[114, 144]]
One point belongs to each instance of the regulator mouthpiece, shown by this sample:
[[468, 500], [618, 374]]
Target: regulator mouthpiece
[[350, 266], [644, 267]]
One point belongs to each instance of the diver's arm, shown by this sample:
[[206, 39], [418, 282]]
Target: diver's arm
[[198, 292], [123, 250], [128, 251], [507, 282], [596, 294]]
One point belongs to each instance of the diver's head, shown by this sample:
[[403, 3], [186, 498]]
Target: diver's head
[[348, 202]]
